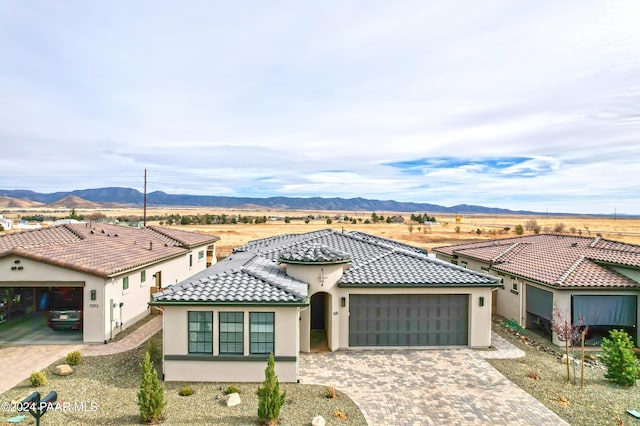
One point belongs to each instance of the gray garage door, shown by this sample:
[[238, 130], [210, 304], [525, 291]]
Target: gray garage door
[[408, 320]]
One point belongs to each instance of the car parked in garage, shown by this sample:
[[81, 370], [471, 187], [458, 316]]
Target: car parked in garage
[[65, 308]]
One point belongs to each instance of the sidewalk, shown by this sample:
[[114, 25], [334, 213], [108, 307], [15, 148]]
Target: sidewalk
[[19, 361]]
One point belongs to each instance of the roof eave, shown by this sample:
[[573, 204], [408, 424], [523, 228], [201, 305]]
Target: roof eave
[[220, 303], [434, 286]]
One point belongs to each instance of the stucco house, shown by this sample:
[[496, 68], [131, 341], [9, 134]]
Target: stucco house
[[583, 277], [357, 291], [115, 269]]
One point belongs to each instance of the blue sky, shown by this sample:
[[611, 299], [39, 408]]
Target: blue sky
[[528, 105]]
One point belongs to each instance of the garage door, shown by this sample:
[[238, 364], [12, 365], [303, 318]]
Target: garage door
[[408, 320]]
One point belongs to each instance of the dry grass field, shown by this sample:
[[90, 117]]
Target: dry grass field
[[449, 229]]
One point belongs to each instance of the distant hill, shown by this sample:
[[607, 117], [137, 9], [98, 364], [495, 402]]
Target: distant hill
[[131, 197], [18, 203], [74, 202]]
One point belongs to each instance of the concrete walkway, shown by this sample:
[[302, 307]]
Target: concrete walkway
[[17, 362], [428, 387]]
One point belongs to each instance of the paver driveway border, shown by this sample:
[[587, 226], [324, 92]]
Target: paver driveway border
[[428, 387]]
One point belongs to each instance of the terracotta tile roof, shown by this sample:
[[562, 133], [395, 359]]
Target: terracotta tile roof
[[557, 260], [101, 249]]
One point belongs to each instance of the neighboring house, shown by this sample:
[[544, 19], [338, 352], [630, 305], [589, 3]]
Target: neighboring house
[[276, 295], [117, 268], [589, 277], [23, 224], [6, 223]]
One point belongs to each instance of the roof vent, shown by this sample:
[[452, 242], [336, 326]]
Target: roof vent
[[574, 244], [102, 231], [150, 245]]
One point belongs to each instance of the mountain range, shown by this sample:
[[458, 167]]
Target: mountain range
[[110, 197]]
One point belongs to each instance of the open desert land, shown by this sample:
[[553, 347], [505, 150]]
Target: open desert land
[[449, 229]]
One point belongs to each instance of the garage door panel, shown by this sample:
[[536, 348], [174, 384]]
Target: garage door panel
[[408, 320]]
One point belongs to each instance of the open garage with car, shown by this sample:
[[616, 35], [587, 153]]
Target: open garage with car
[[41, 314], [88, 282]]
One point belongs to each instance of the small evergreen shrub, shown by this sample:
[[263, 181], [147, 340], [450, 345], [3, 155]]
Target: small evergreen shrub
[[513, 325], [186, 391], [270, 401], [231, 389], [74, 358], [151, 395], [38, 378], [618, 357], [154, 348]]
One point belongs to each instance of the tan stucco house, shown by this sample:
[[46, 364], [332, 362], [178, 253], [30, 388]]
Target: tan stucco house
[[114, 269], [592, 278], [355, 290]]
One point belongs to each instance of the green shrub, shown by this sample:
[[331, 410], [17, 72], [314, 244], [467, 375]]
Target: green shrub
[[186, 391], [154, 348], [151, 395], [231, 389], [618, 357], [270, 401], [38, 378], [513, 325], [74, 358]]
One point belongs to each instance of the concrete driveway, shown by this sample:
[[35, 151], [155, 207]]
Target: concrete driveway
[[426, 387]]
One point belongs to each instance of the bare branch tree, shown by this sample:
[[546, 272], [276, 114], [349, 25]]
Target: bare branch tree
[[568, 332]]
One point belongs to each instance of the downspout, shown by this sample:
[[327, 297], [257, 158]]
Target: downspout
[[522, 319], [163, 339]]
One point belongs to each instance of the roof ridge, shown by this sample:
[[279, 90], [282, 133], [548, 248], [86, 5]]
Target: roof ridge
[[153, 229], [571, 269], [595, 241], [73, 231], [507, 250], [264, 276]]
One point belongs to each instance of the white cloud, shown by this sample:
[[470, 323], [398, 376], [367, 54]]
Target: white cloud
[[299, 99]]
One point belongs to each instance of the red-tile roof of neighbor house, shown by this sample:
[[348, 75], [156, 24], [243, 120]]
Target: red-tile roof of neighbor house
[[101, 249], [557, 260]]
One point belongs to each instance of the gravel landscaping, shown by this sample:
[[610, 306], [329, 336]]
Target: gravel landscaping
[[542, 374], [108, 385]]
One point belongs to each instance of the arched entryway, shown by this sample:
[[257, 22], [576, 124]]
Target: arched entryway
[[320, 306]]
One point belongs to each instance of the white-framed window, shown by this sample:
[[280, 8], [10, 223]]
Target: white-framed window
[[200, 255], [125, 284]]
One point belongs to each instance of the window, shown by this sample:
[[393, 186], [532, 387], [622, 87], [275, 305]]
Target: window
[[125, 283], [201, 255], [514, 287], [200, 332], [463, 264], [143, 276], [190, 260], [261, 332], [231, 333]]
